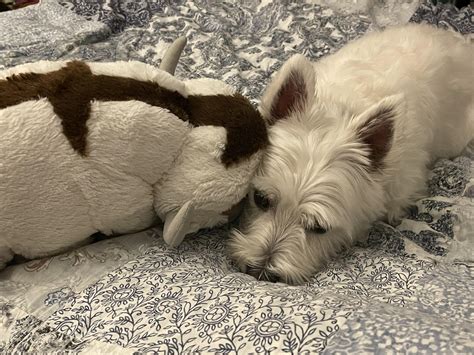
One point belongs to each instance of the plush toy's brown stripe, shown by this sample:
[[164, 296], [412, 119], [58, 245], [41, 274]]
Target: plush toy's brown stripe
[[71, 90], [246, 130]]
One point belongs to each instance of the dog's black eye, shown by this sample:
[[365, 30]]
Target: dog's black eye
[[261, 200], [317, 229]]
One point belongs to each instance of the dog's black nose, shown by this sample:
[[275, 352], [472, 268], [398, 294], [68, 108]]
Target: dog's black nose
[[262, 274]]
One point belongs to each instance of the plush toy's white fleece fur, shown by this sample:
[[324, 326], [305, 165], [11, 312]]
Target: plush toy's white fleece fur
[[47, 187], [52, 198], [317, 172], [198, 179]]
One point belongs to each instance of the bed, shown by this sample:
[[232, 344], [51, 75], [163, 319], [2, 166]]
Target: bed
[[408, 288]]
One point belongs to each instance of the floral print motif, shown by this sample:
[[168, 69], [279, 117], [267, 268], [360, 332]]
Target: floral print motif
[[58, 297], [268, 328]]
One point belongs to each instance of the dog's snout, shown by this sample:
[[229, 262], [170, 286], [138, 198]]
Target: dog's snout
[[262, 274], [254, 271], [271, 277]]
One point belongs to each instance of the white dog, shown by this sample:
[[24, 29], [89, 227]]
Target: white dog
[[351, 138]]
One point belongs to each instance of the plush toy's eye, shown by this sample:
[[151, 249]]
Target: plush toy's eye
[[317, 229], [261, 200]]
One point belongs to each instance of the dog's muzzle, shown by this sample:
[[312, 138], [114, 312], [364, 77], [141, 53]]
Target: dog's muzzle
[[262, 274]]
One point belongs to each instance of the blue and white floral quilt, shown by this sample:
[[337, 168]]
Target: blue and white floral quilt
[[407, 289]]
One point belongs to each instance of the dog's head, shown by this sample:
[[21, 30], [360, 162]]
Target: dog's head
[[319, 183]]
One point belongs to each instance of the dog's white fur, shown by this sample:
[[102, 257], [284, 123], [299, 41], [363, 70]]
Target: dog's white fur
[[415, 80]]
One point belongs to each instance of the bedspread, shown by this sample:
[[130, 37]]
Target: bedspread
[[408, 288]]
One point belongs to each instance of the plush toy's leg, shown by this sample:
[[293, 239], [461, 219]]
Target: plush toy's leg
[[5, 256]]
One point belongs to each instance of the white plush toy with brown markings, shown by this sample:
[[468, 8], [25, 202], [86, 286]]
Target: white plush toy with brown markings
[[108, 147]]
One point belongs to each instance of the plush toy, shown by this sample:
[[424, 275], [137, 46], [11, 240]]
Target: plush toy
[[108, 147]]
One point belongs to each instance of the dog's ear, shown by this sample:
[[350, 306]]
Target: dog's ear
[[291, 90], [376, 127]]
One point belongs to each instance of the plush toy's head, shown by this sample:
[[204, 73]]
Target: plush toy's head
[[200, 191], [220, 155]]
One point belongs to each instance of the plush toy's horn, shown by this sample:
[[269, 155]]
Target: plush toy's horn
[[171, 57]]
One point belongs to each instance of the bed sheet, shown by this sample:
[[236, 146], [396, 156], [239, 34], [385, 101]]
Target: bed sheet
[[408, 288]]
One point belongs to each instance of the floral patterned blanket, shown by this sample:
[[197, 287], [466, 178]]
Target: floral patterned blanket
[[407, 289]]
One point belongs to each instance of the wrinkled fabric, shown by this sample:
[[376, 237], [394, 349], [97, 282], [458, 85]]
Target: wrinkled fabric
[[44, 31], [408, 288]]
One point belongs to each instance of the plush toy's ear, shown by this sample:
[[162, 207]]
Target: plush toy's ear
[[177, 225], [291, 90], [376, 127]]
